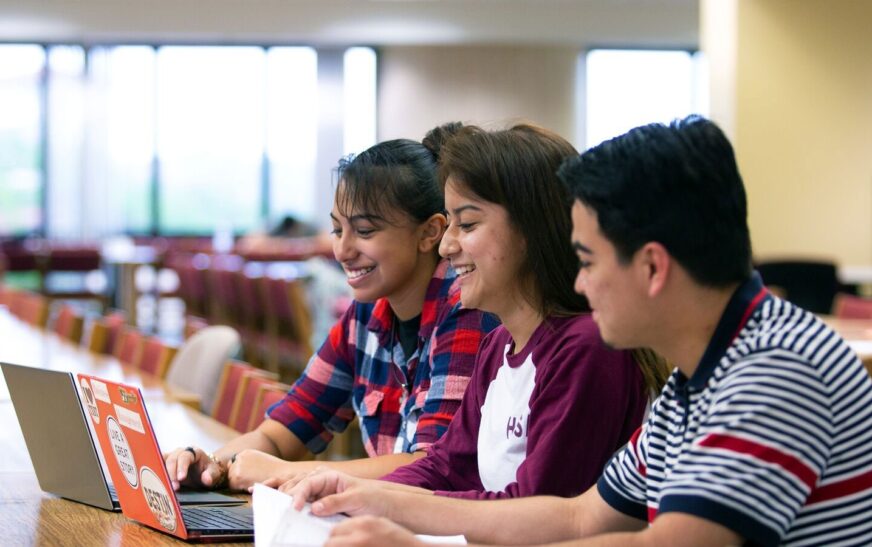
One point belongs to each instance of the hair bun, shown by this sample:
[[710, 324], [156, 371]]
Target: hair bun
[[438, 136]]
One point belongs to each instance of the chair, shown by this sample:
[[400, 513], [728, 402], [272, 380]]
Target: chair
[[104, 333], [155, 357], [228, 387], [848, 306], [31, 308], [197, 365], [9, 296], [811, 285], [250, 383], [225, 301], [289, 325], [267, 395], [69, 324], [191, 270], [128, 350], [251, 320], [193, 325]]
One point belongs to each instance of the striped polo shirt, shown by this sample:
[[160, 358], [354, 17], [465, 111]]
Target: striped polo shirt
[[771, 436]]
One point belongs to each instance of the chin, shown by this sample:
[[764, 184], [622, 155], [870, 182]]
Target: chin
[[364, 296], [467, 303]]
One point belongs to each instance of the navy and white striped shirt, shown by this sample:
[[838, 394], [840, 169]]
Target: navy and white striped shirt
[[771, 436]]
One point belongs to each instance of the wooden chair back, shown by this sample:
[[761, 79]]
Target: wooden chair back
[[245, 397], [155, 357], [69, 324], [267, 395]]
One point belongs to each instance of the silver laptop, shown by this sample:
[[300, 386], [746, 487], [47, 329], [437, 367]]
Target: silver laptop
[[62, 447]]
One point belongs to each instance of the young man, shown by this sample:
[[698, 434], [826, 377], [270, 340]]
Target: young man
[[762, 435]]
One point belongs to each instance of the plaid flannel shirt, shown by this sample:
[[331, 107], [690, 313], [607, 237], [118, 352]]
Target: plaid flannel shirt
[[359, 368]]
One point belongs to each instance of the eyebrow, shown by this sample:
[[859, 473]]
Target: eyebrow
[[354, 218], [578, 247], [464, 208]]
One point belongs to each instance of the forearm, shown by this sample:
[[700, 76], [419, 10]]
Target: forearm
[[510, 522], [255, 440], [377, 467], [270, 437], [621, 539]]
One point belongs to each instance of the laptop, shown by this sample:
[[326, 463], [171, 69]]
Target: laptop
[[51, 415], [137, 468]]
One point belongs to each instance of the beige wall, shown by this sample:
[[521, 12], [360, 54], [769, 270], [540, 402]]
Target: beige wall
[[421, 87], [804, 126]]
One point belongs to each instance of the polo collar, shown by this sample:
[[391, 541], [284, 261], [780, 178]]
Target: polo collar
[[747, 298]]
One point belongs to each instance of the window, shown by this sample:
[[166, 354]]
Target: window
[[628, 88], [292, 131], [20, 138], [210, 137], [167, 139], [119, 174], [359, 98]]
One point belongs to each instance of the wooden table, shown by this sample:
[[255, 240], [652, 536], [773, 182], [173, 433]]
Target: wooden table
[[29, 516]]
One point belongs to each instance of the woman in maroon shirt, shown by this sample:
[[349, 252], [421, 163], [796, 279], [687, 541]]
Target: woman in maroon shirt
[[548, 403]]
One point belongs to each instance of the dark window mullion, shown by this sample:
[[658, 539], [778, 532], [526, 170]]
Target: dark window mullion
[[154, 193], [265, 188], [42, 227]]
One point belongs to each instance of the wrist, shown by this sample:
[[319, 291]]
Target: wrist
[[221, 478]]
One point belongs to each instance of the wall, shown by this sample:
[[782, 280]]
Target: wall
[[804, 126], [421, 87]]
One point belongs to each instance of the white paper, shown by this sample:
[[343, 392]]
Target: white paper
[[278, 524]]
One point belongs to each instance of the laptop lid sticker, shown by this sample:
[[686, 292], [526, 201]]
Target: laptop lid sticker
[[158, 499], [122, 452], [89, 399]]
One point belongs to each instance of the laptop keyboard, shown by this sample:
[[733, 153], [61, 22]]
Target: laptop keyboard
[[202, 519]]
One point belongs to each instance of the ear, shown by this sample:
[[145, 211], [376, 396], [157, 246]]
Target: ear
[[655, 263], [430, 232]]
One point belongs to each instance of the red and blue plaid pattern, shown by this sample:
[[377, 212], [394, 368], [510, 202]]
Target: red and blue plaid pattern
[[360, 367]]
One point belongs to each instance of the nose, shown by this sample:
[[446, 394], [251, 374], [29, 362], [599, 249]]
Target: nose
[[343, 246], [580, 281], [449, 246]]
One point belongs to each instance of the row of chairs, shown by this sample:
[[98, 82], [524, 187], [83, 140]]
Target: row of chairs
[[193, 369], [30, 307], [107, 335], [270, 312], [244, 394]]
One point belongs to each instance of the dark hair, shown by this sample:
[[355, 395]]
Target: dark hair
[[395, 175], [678, 185], [516, 169]]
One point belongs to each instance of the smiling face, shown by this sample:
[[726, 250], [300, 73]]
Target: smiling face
[[484, 249], [614, 290], [382, 257]]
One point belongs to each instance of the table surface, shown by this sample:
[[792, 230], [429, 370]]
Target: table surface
[[29, 516]]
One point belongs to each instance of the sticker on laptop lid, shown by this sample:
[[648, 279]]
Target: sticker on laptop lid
[[158, 499], [101, 392], [121, 449], [129, 419], [89, 399]]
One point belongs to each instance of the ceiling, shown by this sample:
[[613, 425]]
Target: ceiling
[[617, 23]]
